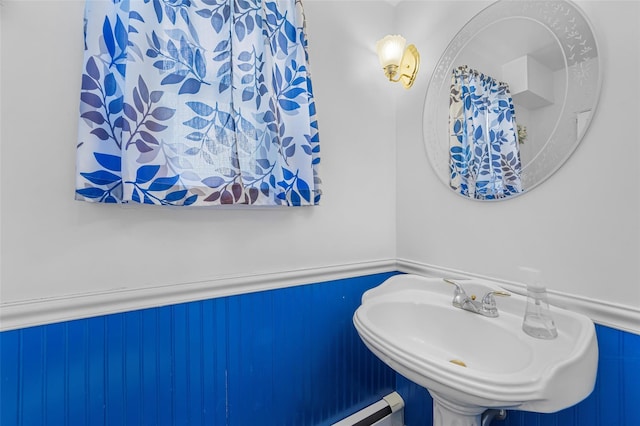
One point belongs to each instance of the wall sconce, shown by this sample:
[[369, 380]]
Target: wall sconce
[[399, 64]]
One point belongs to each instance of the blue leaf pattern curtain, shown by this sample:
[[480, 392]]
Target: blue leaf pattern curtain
[[484, 154], [197, 102]]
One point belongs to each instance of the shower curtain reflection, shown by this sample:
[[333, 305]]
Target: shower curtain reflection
[[484, 155]]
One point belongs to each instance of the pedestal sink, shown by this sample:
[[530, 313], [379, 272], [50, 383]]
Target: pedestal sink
[[470, 363]]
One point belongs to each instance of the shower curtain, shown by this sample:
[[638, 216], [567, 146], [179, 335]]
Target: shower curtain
[[197, 103], [483, 153]]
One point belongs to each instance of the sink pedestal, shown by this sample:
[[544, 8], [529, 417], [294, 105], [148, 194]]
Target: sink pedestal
[[447, 413]]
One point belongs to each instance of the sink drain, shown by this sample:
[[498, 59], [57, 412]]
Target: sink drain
[[458, 362]]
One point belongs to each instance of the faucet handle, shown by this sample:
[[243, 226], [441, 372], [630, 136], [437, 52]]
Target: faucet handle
[[459, 295], [451, 281], [497, 293], [489, 302]]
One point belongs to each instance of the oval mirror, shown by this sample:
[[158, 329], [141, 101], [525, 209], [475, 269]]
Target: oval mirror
[[546, 53]]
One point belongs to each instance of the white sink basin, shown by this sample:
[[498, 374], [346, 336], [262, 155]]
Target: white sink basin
[[469, 362]]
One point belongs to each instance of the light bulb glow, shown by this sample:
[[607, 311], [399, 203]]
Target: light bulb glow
[[390, 50]]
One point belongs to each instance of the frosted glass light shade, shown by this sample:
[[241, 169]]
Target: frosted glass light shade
[[390, 50]]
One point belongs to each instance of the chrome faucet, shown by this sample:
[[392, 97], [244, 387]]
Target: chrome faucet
[[485, 306]]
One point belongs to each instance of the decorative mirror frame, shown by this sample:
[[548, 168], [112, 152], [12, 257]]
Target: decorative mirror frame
[[574, 35]]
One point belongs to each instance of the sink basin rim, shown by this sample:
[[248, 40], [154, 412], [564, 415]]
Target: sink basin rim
[[506, 390]]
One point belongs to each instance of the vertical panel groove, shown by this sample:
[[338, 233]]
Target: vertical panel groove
[[187, 362], [124, 378], [42, 369], [20, 385], [202, 404], [173, 363], [65, 345], [105, 382], [142, 335], [87, 375], [620, 369], [157, 369]]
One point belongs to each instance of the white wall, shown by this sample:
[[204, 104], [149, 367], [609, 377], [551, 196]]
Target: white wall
[[53, 246], [582, 226]]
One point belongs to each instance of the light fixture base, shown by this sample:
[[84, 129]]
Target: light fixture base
[[391, 71], [409, 66]]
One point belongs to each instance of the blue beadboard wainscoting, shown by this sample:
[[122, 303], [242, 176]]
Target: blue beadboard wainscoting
[[282, 357], [273, 358]]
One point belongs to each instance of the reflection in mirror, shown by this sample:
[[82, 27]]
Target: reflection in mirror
[[533, 65], [545, 52], [484, 156]]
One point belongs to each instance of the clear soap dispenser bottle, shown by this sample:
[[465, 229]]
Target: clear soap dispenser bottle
[[538, 321]]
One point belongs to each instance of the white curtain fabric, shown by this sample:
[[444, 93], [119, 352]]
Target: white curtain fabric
[[197, 102]]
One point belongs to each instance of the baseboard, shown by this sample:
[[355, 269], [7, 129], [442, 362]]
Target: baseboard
[[389, 411]]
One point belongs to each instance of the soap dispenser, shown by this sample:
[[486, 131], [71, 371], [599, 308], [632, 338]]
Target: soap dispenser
[[538, 321]]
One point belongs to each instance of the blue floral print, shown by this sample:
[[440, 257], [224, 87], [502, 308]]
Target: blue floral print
[[197, 103]]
